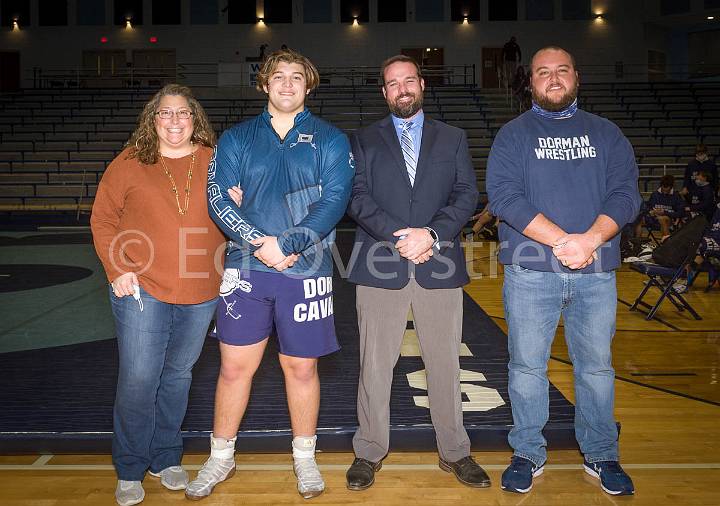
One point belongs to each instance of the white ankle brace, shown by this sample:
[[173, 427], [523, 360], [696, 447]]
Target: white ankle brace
[[222, 448], [303, 447]]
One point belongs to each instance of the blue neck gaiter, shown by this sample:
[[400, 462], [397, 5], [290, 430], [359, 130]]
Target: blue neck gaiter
[[568, 112]]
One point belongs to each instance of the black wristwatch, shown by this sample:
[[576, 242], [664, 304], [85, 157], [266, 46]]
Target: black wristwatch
[[435, 238]]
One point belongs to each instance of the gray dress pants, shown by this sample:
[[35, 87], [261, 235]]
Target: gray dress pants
[[382, 318]]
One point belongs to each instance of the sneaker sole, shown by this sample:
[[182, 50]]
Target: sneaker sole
[[201, 497], [310, 495], [595, 475], [449, 469], [537, 473], [356, 488], [164, 484], [131, 503]]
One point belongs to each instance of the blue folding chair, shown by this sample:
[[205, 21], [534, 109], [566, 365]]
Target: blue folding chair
[[663, 278], [679, 250]]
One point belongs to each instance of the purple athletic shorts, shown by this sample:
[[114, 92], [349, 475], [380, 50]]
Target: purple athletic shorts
[[301, 309]]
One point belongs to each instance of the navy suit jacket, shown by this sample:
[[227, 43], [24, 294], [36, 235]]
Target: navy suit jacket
[[443, 197]]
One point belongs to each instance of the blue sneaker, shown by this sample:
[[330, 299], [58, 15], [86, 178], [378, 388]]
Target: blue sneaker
[[518, 477], [613, 479]]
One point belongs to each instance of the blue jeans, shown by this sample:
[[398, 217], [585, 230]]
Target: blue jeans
[[157, 350], [534, 302]]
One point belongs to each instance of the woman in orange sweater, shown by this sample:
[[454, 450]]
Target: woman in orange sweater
[[163, 257]]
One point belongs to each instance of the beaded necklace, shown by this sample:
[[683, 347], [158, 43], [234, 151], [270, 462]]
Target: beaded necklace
[[181, 210]]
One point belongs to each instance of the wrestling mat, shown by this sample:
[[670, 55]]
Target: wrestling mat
[[58, 360]]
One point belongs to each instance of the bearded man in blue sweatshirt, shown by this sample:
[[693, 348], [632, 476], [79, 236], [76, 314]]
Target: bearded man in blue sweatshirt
[[563, 182]]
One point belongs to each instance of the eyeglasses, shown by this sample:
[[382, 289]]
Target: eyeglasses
[[168, 114]]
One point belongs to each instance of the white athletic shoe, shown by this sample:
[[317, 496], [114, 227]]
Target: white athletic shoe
[[309, 481], [172, 478], [680, 286], [212, 472], [128, 493]]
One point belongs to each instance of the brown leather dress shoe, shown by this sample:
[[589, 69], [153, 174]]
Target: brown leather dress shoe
[[361, 474], [467, 471]]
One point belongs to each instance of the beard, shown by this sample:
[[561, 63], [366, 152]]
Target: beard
[[408, 109], [547, 104]]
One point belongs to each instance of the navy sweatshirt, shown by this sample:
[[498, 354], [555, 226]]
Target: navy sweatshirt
[[694, 167], [570, 170], [702, 200], [672, 204], [714, 230]]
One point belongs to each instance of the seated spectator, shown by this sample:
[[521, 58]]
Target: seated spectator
[[701, 197], [664, 208], [485, 225], [701, 163], [708, 254]]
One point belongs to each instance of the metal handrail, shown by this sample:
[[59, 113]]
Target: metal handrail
[[664, 166], [82, 191], [206, 74]]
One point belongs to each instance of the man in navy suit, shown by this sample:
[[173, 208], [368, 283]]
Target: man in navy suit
[[413, 191]]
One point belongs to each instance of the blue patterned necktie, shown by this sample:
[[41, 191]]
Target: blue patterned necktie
[[408, 149]]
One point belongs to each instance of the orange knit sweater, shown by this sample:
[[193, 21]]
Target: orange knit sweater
[[137, 228]]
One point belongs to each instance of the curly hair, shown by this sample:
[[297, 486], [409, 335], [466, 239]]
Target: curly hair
[[144, 144], [667, 181], [312, 77]]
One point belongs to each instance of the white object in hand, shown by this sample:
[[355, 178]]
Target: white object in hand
[[136, 296]]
